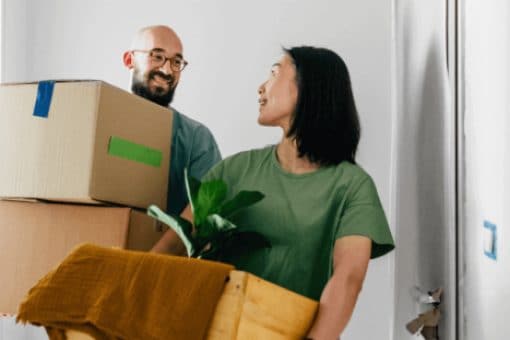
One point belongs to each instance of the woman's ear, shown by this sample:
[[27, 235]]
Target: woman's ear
[[127, 58]]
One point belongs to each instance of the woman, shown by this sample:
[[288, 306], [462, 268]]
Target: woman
[[321, 212]]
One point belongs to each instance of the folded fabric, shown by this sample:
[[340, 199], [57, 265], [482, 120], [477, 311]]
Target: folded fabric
[[120, 294]]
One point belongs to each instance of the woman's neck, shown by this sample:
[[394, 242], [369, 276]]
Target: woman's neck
[[287, 155]]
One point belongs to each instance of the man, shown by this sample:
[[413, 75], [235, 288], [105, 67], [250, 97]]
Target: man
[[156, 61]]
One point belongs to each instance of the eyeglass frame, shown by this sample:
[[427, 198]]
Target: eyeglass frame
[[163, 62]]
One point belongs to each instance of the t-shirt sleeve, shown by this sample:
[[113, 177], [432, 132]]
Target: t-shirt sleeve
[[364, 215], [205, 153], [214, 173]]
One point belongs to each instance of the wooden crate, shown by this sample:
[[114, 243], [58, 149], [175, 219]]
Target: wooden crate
[[252, 308]]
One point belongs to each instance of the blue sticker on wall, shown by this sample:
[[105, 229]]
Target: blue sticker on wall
[[43, 99], [490, 244]]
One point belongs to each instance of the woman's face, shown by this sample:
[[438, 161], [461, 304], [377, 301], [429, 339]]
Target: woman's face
[[278, 95]]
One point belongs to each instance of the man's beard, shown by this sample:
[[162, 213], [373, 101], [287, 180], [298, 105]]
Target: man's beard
[[160, 96]]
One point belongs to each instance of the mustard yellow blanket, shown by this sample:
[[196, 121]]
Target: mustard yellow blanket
[[119, 294]]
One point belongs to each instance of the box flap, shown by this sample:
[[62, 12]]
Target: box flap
[[54, 80]]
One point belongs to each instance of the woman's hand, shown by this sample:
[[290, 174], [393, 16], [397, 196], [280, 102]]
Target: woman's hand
[[170, 242]]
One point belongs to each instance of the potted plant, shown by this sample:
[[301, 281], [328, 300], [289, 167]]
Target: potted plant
[[211, 234]]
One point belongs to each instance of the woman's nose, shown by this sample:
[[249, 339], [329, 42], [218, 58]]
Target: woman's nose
[[261, 88]]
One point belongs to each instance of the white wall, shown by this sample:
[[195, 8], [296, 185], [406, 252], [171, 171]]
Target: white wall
[[14, 40], [1, 37], [425, 165], [230, 46], [486, 108], [10, 330]]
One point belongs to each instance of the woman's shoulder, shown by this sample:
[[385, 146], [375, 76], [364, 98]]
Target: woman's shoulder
[[358, 183], [250, 155], [352, 172], [241, 162], [353, 179]]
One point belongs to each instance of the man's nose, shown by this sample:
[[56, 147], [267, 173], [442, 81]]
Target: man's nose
[[166, 67]]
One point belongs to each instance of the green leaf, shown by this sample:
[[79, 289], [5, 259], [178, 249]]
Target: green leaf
[[244, 242], [192, 187], [215, 235], [233, 243], [215, 245], [220, 223], [182, 227], [242, 200], [205, 231], [210, 195], [212, 226]]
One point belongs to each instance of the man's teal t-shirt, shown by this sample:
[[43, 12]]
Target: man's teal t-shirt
[[193, 148], [302, 216]]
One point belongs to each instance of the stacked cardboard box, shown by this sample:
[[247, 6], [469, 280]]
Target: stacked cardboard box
[[97, 155]]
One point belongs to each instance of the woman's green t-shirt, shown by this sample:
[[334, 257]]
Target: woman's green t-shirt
[[302, 216]]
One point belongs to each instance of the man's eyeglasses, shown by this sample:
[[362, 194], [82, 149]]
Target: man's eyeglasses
[[158, 59]]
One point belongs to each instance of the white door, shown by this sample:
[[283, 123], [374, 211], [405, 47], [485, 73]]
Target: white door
[[485, 170], [424, 158]]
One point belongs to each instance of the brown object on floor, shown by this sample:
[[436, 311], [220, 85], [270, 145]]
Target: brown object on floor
[[36, 237], [119, 294]]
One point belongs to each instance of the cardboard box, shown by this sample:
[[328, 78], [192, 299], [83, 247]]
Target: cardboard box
[[83, 141], [36, 237]]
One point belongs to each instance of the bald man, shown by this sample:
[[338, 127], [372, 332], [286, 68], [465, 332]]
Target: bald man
[[156, 62]]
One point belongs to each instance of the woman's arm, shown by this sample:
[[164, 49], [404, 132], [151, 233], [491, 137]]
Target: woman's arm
[[350, 262], [170, 243]]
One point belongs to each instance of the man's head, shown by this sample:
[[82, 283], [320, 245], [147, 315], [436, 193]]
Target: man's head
[[156, 61]]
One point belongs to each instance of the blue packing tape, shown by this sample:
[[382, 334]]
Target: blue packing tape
[[43, 100]]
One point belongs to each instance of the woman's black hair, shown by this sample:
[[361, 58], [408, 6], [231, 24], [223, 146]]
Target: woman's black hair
[[325, 123]]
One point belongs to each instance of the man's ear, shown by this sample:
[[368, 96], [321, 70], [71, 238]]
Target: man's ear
[[127, 58]]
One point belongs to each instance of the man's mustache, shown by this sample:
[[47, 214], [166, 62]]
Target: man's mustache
[[167, 77]]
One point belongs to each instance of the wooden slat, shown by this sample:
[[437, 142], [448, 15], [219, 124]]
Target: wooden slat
[[229, 308], [252, 308]]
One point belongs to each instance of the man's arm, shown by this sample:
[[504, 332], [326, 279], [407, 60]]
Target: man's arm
[[205, 153], [170, 243], [351, 255]]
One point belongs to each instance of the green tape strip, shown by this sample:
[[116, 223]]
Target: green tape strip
[[135, 152]]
